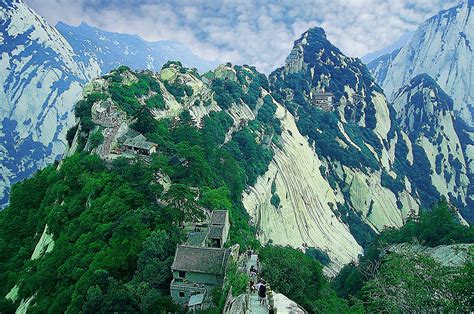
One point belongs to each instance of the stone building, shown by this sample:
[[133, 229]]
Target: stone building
[[196, 272], [323, 100], [140, 145], [200, 265], [219, 227]]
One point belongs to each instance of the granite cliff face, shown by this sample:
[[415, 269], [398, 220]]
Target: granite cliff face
[[425, 113], [41, 79]]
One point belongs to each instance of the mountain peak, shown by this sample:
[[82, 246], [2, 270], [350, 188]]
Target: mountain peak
[[315, 31], [424, 81], [85, 25]]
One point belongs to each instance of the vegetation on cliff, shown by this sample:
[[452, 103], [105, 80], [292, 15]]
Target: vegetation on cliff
[[411, 282]]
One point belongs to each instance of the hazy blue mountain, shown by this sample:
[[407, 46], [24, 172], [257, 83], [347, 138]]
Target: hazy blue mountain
[[111, 50], [402, 41]]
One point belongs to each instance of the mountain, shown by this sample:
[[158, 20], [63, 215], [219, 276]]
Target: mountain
[[425, 113], [387, 50], [312, 164], [154, 153], [338, 166], [441, 48], [42, 73], [112, 50], [41, 79]]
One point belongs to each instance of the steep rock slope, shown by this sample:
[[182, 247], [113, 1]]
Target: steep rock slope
[[41, 78], [304, 213], [112, 50], [342, 157], [425, 113]]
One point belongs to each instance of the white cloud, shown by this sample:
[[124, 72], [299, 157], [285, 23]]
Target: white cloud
[[254, 32]]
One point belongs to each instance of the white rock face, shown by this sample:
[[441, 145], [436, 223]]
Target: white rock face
[[41, 81], [305, 214], [442, 47], [44, 245]]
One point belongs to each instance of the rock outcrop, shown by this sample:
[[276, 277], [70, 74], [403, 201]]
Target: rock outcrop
[[455, 255]]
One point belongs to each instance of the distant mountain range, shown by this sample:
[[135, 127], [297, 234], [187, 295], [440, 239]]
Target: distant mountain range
[[42, 73], [112, 50]]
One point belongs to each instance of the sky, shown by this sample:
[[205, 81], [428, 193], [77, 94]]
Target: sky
[[255, 32]]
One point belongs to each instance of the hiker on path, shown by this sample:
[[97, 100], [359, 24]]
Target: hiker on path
[[262, 292], [271, 302], [253, 273], [252, 286]]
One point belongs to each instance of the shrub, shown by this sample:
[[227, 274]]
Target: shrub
[[96, 139]]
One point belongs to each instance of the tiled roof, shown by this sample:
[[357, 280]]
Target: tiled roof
[[139, 142], [215, 232], [201, 260], [218, 217], [196, 238]]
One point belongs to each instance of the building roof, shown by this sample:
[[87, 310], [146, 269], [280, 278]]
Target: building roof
[[216, 232], [323, 95], [139, 142], [219, 217], [197, 238], [200, 259]]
